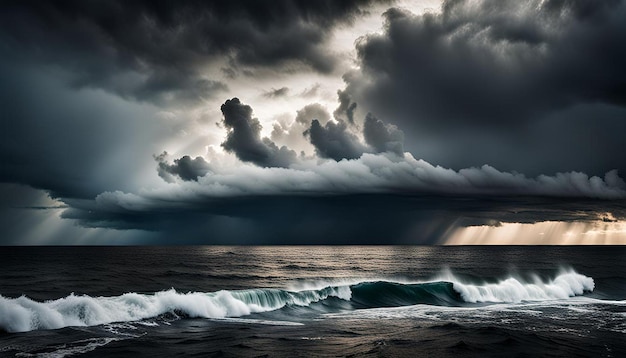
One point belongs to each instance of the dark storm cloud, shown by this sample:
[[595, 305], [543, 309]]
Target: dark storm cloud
[[488, 73], [334, 140], [185, 167], [499, 61], [244, 138], [378, 198], [383, 137], [343, 219], [72, 143], [535, 86], [337, 141], [292, 220], [156, 50]]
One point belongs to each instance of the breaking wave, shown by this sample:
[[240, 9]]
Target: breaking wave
[[23, 314]]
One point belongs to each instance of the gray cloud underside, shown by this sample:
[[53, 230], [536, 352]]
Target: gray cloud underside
[[378, 198], [155, 51], [342, 219], [251, 205]]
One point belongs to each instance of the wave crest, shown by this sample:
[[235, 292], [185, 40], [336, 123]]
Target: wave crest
[[513, 290], [23, 314]]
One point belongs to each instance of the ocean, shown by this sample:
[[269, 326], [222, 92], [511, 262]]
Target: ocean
[[313, 301]]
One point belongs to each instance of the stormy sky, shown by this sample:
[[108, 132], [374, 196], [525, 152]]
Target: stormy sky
[[312, 122]]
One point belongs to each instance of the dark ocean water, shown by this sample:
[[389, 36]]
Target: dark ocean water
[[306, 301]]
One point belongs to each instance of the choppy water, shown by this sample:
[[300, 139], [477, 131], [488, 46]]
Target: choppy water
[[313, 301]]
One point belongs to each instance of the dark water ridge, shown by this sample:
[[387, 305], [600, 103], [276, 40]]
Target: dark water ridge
[[23, 314], [312, 301]]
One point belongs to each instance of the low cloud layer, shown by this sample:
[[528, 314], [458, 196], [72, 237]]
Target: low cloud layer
[[378, 198], [388, 173], [344, 219]]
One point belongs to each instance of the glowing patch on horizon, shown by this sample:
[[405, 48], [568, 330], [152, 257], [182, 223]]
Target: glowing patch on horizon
[[541, 233]]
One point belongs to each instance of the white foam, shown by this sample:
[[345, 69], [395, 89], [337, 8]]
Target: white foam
[[514, 290], [23, 314]]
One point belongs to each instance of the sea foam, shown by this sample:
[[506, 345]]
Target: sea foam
[[514, 290], [23, 314]]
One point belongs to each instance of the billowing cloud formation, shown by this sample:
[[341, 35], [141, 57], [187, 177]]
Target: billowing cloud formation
[[334, 140], [338, 141], [498, 61], [378, 198], [491, 74], [383, 137], [244, 138], [388, 173], [185, 167], [157, 51]]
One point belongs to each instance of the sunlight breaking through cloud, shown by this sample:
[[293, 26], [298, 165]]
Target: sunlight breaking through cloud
[[541, 233]]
